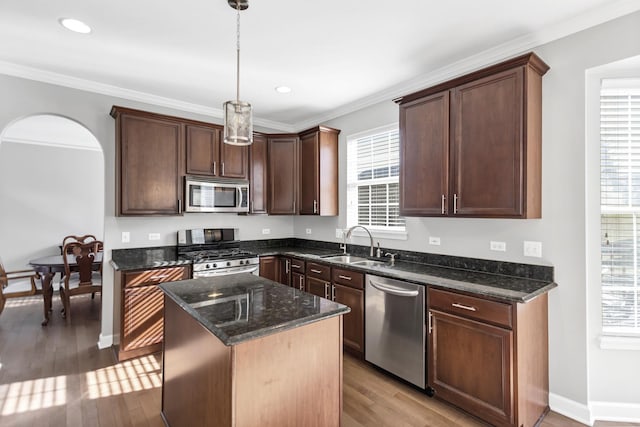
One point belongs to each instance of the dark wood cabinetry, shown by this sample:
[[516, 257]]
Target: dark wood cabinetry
[[348, 289], [488, 357], [269, 267], [319, 171], [208, 155], [141, 319], [283, 175], [472, 146], [149, 163], [258, 184]]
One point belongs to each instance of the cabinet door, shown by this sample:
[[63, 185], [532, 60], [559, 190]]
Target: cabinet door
[[487, 149], [142, 317], [150, 162], [202, 150], [471, 366], [283, 176], [269, 268], [234, 161], [309, 174], [297, 281], [284, 270], [258, 175], [424, 156], [318, 287], [353, 322]]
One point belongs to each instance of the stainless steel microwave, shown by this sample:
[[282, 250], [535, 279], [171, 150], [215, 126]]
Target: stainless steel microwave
[[216, 195]]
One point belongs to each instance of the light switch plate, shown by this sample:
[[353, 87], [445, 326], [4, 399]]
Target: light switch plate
[[266, 231], [126, 237], [339, 233], [154, 236], [434, 240], [498, 246], [533, 249]]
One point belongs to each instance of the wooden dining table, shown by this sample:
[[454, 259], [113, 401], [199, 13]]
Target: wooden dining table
[[48, 266]]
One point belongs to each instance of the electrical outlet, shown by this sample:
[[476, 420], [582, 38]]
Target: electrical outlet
[[266, 231], [126, 237], [154, 236], [308, 231], [533, 249], [434, 240], [498, 246], [339, 233]]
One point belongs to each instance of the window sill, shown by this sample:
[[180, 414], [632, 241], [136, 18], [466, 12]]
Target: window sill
[[381, 234], [619, 342]]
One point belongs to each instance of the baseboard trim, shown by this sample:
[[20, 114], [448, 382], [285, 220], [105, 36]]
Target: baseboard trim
[[105, 341], [570, 408], [615, 411]]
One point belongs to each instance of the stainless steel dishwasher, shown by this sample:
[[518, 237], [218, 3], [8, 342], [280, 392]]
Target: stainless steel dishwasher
[[395, 327]]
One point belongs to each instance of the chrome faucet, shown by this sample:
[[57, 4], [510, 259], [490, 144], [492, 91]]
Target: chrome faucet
[[348, 235]]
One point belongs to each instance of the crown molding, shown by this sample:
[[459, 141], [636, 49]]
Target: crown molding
[[14, 140], [58, 79]]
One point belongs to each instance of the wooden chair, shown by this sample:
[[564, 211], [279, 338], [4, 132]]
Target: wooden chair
[[16, 284], [82, 239], [83, 279]]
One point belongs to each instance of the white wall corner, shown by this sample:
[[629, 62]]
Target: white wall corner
[[105, 341], [570, 408], [615, 411]]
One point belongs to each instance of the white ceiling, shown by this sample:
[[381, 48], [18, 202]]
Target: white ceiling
[[336, 55]]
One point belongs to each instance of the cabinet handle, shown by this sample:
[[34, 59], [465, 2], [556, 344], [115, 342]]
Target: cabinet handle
[[430, 322], [287, 266], [297, 266], [316, 271], [215, 169], [159, 277], [179, 206], [464, 307], [302, 283], [315, 206], [344, 277], [455, 203], [333, 293], [442, 205], [326, 290], [222, 169]]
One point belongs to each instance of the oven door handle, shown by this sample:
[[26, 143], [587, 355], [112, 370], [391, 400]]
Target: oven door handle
[[225, 271]]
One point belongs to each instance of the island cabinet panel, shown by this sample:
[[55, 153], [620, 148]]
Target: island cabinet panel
[[488, 357], [270, 267], [206, 383], [141, 316], [472, 146], [283, 175], [319, 171], [208, 155], [149, 164], [258, 177]]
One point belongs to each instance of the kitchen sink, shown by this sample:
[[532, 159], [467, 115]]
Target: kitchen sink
[[347, 259], [370, 263]]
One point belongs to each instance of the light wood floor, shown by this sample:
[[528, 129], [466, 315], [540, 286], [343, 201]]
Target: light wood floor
[[56, 376]]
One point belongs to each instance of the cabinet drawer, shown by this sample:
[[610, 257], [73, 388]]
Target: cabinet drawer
[[319, 271], [297, 265], [155, 276], [472, 307], [348, 278]]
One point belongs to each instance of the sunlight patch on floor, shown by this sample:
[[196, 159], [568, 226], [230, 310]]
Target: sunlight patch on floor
[[125, 377], [23, 396], [23, 302]]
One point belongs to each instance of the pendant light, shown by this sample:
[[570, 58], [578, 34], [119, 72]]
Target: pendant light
[[238, 120]]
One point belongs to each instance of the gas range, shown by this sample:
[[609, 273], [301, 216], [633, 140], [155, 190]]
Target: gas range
[[215, 252]]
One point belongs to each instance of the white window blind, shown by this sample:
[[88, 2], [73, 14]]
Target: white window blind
[[620, 205], [373, 193]]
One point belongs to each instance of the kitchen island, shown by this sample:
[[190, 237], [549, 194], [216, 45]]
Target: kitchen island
[[241, 350]]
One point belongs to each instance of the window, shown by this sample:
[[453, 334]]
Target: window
[[620, 204], [373, 189]]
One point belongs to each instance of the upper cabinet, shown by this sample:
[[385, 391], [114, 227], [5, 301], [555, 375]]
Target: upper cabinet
[[471, 147], [208, 155], [149, 163], [283, 174], [258, 175], [319, 171]]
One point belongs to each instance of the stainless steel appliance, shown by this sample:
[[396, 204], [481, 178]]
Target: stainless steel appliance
[[216, 195], [395, 327], [215, 252]]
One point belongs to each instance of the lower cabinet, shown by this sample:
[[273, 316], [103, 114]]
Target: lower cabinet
[[269, 266], [348, 289], [141, 318], [298, 281], [489, 358]]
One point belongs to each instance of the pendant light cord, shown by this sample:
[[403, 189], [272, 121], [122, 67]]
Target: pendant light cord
[[238, 52]]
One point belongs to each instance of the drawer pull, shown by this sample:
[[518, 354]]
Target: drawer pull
[[316, 271], [161, 276], [344, 277], [464, 307], [296, 266]]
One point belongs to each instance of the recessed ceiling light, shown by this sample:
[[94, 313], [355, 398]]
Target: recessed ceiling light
[[75, 25], [283, 89]]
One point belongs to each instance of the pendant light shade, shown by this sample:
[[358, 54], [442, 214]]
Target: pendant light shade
[[238, 116]]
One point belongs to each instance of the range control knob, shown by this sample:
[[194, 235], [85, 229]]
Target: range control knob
[[215, 265], [241, 262], [228, 263], [208, 266]]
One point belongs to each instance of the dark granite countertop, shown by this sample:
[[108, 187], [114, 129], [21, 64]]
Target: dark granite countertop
[[143, 258], [241, 307]]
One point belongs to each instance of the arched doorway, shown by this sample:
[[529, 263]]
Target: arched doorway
[[51, 185]]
